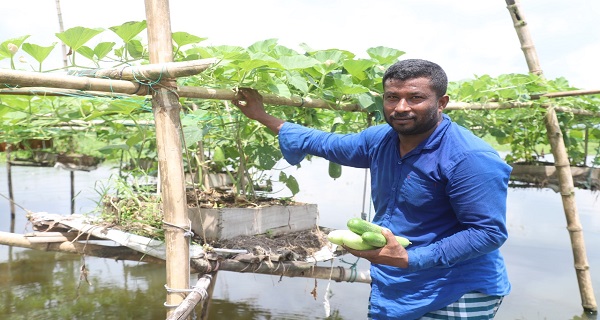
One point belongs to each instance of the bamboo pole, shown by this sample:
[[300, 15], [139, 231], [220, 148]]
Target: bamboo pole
[[563, 169], [531, 57], [35, 79], [565, 178], [198, 294], [112, 252], [166, 108], [284, 269], [151, 72]]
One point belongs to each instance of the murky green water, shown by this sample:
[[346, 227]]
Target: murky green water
[[46, 285]]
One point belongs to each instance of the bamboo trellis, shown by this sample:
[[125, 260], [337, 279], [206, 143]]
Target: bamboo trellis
[[563, 168]]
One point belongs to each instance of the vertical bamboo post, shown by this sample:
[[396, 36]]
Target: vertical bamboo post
[[533, 63], [563, 169], [166, 108]]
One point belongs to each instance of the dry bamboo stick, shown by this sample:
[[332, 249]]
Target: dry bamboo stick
[[574, 227], [566, 94], [152, 72], [228, 94], [166, 109], [563, 168], [524, 37], [35, 79], [198, 293], [59, 92], [112, 252], [286, 269]]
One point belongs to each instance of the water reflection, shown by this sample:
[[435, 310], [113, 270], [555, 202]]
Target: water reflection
[[46, 285]]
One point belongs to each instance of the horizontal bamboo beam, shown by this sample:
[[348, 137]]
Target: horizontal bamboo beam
[[199, 265], [566, 94], [117, 253], [66, 85], [286, 269], [153, 72], [10, 78], [59, 92], [227, 94]]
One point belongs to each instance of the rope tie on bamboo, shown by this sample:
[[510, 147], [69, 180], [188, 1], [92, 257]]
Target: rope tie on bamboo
[[301, 99], [353, 272], [187, 230], [201, 291]]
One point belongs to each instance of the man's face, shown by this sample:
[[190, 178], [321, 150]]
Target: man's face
[[411, 107]]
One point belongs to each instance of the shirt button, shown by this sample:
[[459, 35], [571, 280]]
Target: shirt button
[[399, 162]]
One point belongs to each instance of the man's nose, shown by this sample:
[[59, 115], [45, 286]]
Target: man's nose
[[401, 106]]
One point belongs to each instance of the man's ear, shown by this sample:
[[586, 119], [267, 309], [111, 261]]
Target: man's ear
[[443, 102]]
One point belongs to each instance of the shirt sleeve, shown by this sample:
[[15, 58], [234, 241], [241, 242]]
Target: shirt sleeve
[[477, 189], [296, 141]]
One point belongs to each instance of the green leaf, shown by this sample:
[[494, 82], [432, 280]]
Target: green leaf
[[76, 37], [103, 48], [297, 62], [290, 182], [384, 55], [192, 135], [184, 38], [298, 81], [135, 49], [344, 84], [39, 53], [365, 100], [129, 30], [135, 139], [357, 67], [263, 46], [5, 52], [86, 52]]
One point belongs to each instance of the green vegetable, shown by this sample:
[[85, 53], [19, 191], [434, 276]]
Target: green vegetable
[[360, 226], [348, 239], [337, 236], [356, 242], [335, 170], [378, 240], [218, 155]]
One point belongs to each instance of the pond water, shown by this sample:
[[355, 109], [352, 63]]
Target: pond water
[[47, 285]]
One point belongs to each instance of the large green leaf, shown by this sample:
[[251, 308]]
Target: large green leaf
[[102, 49], [297, 62], [76, 37], [5, 51], [357, 67], [184, 38], [384, 55], [39, 53], [129, 30]]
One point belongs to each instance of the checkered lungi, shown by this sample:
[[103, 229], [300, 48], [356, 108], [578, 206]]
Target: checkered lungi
[[471, 306]]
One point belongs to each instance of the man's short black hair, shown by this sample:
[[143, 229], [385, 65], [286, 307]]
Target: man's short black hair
[[418, 68]]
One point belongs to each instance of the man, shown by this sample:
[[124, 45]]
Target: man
[[432, 182]]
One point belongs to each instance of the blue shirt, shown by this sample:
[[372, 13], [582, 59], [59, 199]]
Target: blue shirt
[[447, 196]]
